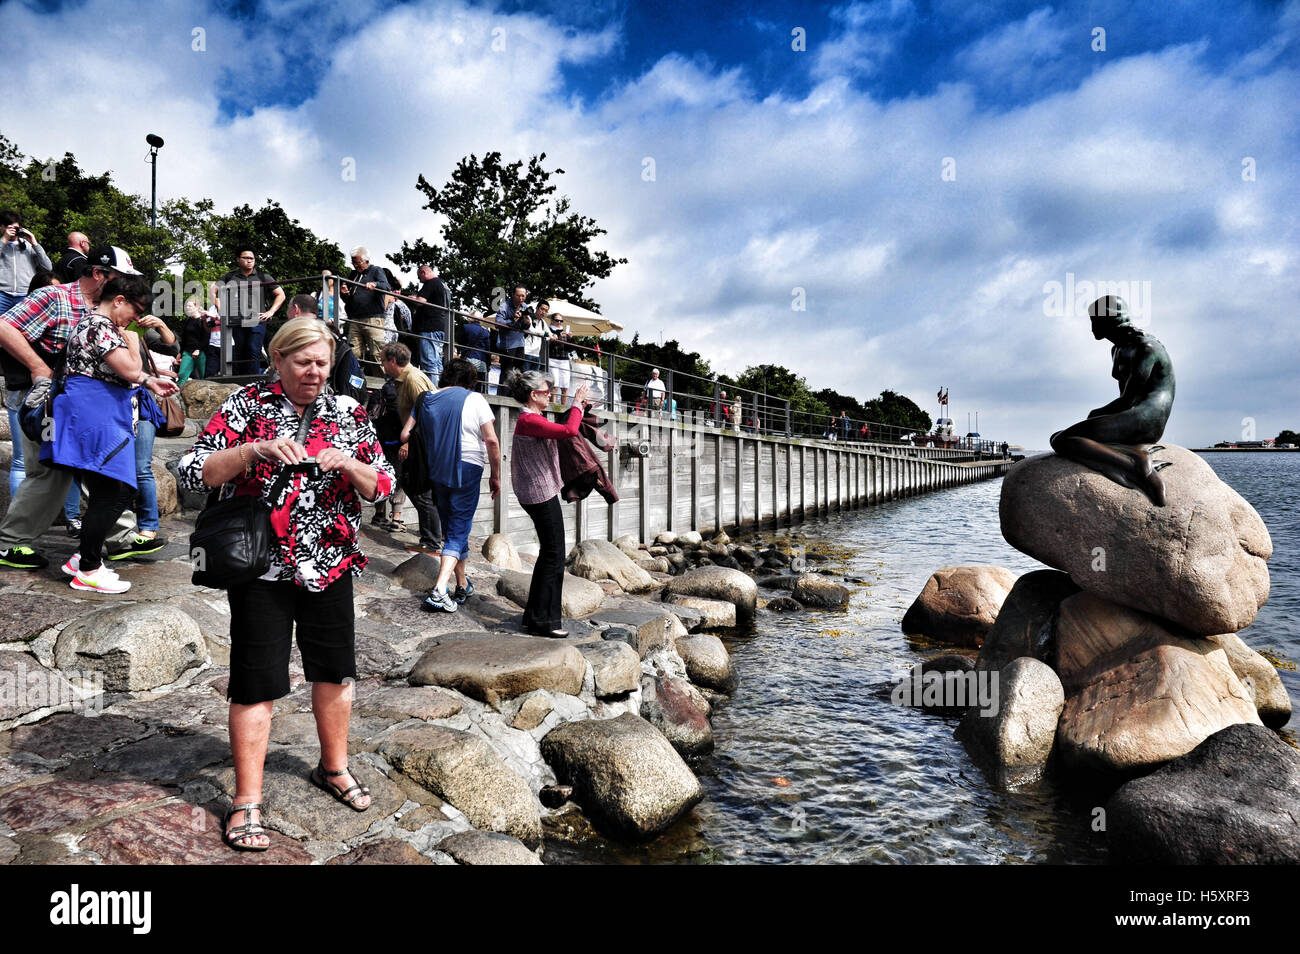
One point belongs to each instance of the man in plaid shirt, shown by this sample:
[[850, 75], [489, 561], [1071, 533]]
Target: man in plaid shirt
[[36, 331]]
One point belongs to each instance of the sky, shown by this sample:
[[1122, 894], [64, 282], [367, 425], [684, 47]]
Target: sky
[[885, 194]]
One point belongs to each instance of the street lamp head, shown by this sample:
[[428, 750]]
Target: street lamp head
[[153, 140]]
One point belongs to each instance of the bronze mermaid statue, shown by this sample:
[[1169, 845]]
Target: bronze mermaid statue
[[1117, 440]]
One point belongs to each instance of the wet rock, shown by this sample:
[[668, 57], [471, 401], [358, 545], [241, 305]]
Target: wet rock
[[464, 770], [382, 851], [813, 590], [678, 710], [135, 646], [718, 583], [785, 604], [487, 848], [783, 581], [958, 604], [718, 614], [24, 616], [499, 551], [491, 668], [1138, 695], [690, 618], [707, 662], [1019, 736], [650, 625], [1259, 677], [1024, 623], [1200, 560], [553, 796], [602, 560], [182, 834], [625, 774], [579, 597], [1231, 800], [615, 665]]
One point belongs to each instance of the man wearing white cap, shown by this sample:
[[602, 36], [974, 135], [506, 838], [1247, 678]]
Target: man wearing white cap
[[36, 331]]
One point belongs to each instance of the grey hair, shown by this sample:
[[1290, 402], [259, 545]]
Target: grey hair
[[522, 384], [362, 253]]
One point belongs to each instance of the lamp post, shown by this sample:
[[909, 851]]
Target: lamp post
[[155, 143]]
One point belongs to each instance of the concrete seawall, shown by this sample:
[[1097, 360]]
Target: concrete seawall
[[697, 477]]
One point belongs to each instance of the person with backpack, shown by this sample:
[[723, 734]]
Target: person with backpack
[[390, 408]]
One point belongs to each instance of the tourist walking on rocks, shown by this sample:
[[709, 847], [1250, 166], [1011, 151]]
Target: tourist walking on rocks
[[535, 476], [459, 438], [253, 441], [35, 332], [96, 418]]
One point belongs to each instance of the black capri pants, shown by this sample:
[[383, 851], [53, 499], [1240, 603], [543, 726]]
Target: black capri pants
[[262, 618]]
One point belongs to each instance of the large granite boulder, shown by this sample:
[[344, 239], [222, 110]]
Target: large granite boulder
[[578, 598], [203, 398], [464, 770], [959, 604], [1200, 560], [626, 776], [813, 589], [487, 848], [1258, 675], [491, 668], [678, 710], [602, 560], [1024, 623], [1137, 694], [1018, 737], [134, 645], [718, 583], [1231, 800], [707, 662], [499, 551]]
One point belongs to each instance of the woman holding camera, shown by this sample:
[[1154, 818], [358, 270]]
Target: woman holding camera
[[535, 474], [327, 448], [21, 257]]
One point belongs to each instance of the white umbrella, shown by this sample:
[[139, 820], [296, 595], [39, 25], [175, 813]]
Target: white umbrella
[[581, 321]]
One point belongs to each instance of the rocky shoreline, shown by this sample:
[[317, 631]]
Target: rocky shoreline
[[479, 744]]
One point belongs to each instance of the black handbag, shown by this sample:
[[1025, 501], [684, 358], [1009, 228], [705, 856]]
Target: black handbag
[[231, 542]]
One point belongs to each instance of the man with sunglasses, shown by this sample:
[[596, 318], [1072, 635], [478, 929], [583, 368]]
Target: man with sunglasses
[[36, 333]]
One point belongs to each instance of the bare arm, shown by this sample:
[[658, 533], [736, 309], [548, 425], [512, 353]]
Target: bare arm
[[493, 446], [125, 362]]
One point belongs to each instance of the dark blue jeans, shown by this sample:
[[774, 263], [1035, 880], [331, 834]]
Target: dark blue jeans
[[248, 348]]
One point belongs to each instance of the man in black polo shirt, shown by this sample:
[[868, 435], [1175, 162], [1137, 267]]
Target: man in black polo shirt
[[241, 292], [68, 267], [365, 306], [430, 320]]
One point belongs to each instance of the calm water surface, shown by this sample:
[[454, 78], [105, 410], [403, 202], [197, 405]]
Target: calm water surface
[[814, 764]]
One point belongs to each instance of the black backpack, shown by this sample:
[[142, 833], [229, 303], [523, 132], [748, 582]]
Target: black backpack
[[346, 378]]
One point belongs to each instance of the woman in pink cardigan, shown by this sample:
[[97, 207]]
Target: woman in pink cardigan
[[535, 475]]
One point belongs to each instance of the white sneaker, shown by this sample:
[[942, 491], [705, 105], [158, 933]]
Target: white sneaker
[[102, 580], [73, 564]]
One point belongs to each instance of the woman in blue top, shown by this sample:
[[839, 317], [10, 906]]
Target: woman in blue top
[[95, 420]]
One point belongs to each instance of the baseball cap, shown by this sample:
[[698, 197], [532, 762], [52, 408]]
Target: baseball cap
[[110, 256]]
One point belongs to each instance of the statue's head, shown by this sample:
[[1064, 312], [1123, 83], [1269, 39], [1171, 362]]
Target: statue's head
[[1108, 313]]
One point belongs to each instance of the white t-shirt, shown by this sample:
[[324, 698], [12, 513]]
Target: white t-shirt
[[473, 416], [655, 384], [533, 342], [214, 336]]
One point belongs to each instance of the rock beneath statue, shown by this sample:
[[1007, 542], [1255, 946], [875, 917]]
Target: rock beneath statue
[[959, 604], [1200, 560], [1231, 800], [1138, 695], [1024, 626], [1260, 678]]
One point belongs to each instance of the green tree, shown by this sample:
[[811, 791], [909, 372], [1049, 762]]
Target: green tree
[[1287, 437], [285, 248], [502, 227], [898, 411]]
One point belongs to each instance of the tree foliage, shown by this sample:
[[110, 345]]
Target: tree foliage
[[502, 227], [284, 247], [1288, 437]]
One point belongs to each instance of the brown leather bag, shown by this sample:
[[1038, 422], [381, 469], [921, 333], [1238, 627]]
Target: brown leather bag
[[170, 407]]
